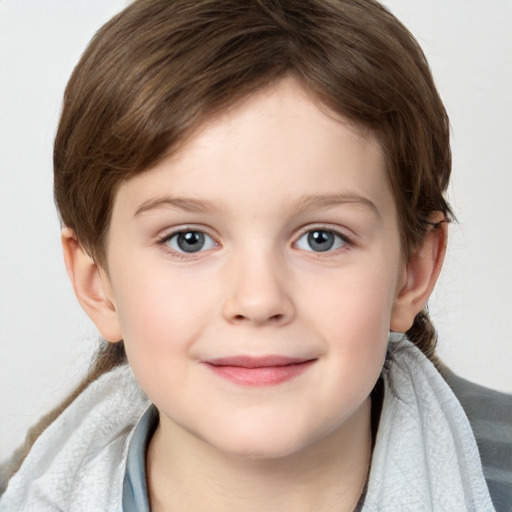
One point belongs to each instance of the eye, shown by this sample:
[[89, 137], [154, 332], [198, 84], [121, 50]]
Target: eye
[[321, 240], [189, 241]]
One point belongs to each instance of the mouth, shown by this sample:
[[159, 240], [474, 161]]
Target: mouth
[[259, 371]]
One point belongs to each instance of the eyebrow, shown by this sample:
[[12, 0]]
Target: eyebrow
[[181, 203], [333, 200], [302, 203]]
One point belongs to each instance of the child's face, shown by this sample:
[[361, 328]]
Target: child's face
[[273, 232]]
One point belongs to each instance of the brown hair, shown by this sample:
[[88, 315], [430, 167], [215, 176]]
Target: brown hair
[[157, 70]]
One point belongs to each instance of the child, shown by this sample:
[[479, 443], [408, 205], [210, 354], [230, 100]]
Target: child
[[252, 195]]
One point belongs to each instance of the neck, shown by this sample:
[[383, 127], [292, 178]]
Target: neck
[[184, 473]]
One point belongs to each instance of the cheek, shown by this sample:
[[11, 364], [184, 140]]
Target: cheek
[[356, 300], [358, 332], [155, 302], [160, 318], [352, 314]]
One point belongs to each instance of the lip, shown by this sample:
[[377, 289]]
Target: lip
[[259, 371]]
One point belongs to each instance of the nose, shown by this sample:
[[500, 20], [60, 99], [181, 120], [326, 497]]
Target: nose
[[258, 292]]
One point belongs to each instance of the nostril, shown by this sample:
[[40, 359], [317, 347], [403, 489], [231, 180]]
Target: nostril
[[274, 318]]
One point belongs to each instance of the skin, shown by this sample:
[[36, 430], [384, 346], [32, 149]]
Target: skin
[[256, 180]]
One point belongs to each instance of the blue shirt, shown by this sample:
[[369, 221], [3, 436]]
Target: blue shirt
[[135, 492]]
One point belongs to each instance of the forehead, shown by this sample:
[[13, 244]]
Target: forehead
[[280, 144]]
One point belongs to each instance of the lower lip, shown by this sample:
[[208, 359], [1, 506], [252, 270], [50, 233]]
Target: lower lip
[[262, 375]]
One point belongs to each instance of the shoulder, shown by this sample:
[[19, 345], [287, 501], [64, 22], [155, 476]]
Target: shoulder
[[78, 461], [490, 415]]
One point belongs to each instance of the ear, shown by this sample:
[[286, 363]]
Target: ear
[[92, 287], [420, 275]]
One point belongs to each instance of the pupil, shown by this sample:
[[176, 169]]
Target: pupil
[[320, 240], [191, 241]]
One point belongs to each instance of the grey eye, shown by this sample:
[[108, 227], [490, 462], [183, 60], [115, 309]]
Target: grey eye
[[190, 241], [320, 240]]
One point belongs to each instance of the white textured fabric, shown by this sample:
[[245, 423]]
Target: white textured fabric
[[78, 463], [425, 457]]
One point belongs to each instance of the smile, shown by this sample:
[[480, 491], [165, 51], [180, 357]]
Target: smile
[[259, 371]]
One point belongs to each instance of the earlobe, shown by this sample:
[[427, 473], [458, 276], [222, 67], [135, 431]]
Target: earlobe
[[92, 287], [420, 275]]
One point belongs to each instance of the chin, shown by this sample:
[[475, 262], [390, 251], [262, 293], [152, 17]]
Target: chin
[[262, 451], [263, 444]]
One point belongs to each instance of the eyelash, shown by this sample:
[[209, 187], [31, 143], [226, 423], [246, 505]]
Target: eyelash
[[165, 240], [346, 241]]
